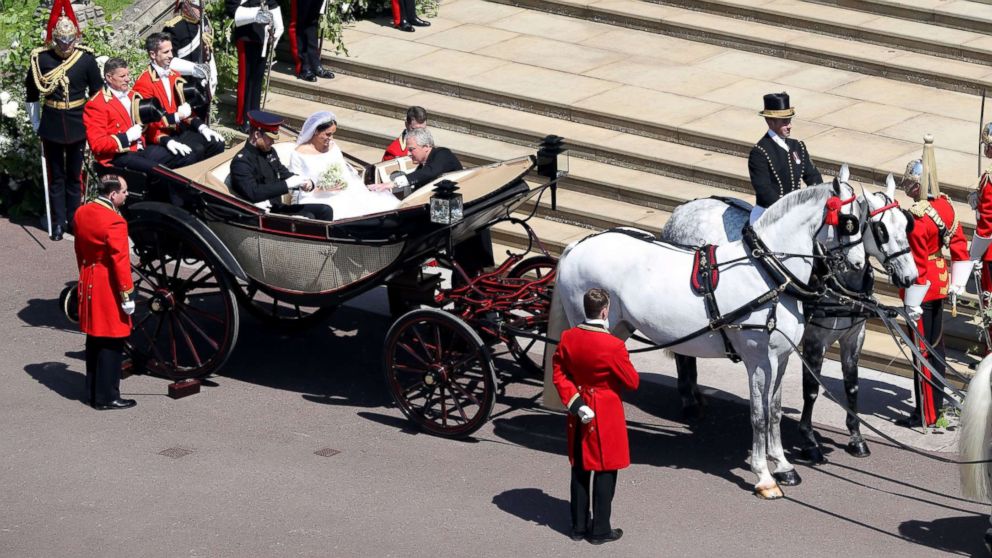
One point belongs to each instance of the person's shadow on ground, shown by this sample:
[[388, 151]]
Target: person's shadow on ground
[[57, 377], [957, 535], [535, 506]]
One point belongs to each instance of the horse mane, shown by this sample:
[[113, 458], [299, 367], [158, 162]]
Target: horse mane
[[792, 200]]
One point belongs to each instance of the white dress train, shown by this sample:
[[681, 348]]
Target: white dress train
[[353, 200]]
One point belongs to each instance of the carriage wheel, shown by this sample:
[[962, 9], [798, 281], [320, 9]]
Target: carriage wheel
[[528, 352], [269, 308], [186, 316], [439, 372]]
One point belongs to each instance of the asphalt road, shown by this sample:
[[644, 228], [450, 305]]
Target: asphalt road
[[80, 483]]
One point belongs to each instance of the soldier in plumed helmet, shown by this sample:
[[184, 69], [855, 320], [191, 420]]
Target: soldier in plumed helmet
[[778, 164], [981, 202], [935, 226], [62, 76]]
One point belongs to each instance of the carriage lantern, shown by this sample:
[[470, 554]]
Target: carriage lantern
[[446, 204], [552, 163]]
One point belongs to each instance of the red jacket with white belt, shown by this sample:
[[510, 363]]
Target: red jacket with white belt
[[593, 364]]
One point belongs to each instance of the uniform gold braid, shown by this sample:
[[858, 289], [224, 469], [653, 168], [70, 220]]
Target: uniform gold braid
[[47, 83]]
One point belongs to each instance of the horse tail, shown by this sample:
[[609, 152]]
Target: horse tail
[[557, 323], [973, 442]]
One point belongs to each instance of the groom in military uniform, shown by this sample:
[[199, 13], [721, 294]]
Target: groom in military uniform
[[777, 163], [61, 77]]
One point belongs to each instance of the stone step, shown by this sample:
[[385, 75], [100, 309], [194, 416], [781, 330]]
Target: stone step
[[841, 21], [975, 15], [619, 165], [873, 125], [794, 44]]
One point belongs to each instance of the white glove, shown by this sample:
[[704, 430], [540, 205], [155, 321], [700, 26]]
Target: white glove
[[263, 17], [914, 313], [245, 16], [277, 27], [979, 245], [133, 133], [128, 307], [585, 414], [201, 71], [960, 273], [955, 291], [979, 265], [296, 181], [178, 148], [184, 111], [211, 135], [34, 113]]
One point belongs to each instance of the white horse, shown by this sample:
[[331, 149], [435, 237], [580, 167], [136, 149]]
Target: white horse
[[975, 439], [692, 223], [649, 287]]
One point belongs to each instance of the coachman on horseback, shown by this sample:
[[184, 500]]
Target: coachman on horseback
[[935, 227], [62, 76]]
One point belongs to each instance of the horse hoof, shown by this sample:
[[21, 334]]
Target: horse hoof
[[814, 455], [692, 412], [788, 478], [772, 492], [858, 449]]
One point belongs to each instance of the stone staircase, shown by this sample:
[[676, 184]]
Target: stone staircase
[[658, 102]]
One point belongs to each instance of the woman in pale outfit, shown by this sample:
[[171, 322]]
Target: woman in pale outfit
[[315, 153]]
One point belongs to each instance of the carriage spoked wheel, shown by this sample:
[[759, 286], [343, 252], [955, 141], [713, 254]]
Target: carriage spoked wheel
[[439, 372], [270, 308], [529, 352], [185, 323]]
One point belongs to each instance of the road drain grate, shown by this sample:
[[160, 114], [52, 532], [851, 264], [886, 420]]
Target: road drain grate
[[175, 453], [327, 452]]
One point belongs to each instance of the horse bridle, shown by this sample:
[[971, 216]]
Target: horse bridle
[[880, 234]]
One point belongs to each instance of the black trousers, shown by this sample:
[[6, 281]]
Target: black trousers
[[306, 50], [144, 161], [929, 400], [405, 9], [251, 73], [202, 149], [64, 162], [104, 357], [603, 484], [311, 210]]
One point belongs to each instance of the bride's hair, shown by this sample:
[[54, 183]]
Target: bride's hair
[[318, 122]]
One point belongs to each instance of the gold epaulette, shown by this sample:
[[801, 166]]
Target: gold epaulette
[[85, 48], [920, 208], [172, 22]]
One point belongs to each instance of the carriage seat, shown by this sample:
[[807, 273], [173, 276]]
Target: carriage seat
[[222, 173]]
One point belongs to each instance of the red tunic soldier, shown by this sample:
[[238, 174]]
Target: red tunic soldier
[[416, 117], [60, 79], [105, 288], [982, 204], [935, 227], [590, 368], [185, 135]]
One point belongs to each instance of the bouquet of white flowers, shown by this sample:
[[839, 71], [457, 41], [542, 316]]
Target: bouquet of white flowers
[[331, 179]]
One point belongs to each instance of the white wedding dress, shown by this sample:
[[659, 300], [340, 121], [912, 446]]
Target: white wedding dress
[[353, 200]]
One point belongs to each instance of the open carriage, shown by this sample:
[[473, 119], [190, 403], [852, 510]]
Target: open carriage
[[196, 265]]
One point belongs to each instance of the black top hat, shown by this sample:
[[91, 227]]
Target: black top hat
[[777, 106], [146, 111], [191, 93]]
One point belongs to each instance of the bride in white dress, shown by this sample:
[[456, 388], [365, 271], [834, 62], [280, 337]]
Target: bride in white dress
[[315, 154]]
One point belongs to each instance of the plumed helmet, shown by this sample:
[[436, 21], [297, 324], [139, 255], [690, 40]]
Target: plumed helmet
[[914, 172], [987, 134], [63, 28]]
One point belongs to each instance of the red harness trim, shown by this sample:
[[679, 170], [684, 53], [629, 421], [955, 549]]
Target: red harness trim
[[883, 209], [699, 267], [834, 205]]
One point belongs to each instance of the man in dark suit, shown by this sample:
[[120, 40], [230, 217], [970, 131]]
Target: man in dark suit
[[258, 175], [777, 163]]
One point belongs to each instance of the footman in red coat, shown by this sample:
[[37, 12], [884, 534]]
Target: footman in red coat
[[590, 368], [105, 289]]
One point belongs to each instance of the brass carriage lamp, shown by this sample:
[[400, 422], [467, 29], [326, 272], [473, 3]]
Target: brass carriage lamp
[[552, 163], [446, 204]]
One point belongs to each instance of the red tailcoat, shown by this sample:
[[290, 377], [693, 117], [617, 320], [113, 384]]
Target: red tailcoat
[[104, 270], [593, 364], [983, 227], [926, 243], [149, 85], [107, 122], [396, 149]]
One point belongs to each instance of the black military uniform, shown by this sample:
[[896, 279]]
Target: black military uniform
[[259, 176], [249, 39], [304, 39], [774, 171], [63, 86], [189, 45]]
